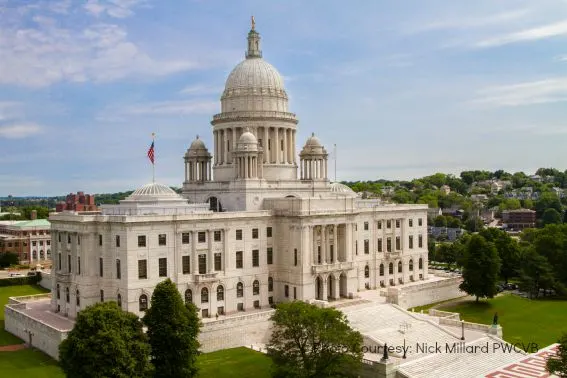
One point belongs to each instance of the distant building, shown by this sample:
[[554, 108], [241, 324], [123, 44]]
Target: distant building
[[433, 212], [479, 197], [77, 202], [451, 233], [519, 219], [30, 240]]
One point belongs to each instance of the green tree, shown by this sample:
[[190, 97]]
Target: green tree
[[510, 204], [440, 221], [547, 201], [508, 251], [481, 266], [432, 249], [312, 342], [535, 273], [105, 342], [558, 365], [173, 328], [453, 222], [551, 216], [7, 259]]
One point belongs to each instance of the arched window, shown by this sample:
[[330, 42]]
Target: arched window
[[391, 268], [270, 284], [411, 265], [366, 271], [188, 296], [220, 293], [78, 297], [41, 254], [420, 263], [34, 254], [381, 269], [48, 253], [256, 287], [67, 295], [119, 300], [143, 302], [239, 290], [204, 295], [58, 292], [399, 266]]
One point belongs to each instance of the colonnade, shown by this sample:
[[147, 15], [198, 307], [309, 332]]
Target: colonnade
[[313, 169], [248, 167], [331, 243], [198, 171]]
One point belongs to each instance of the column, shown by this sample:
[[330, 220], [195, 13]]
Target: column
[[337, 288], [234, 142], [325, 294], [289, 148], [325, 168], [225, 147], [194, 256], [324, 244], [265, 146], [315, 254], [293, 145], [284, 157], [335, 244], [245, 166], [348, 241], [210, 263], [215, 146], [277, 144]]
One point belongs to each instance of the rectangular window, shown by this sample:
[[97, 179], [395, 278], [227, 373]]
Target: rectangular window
[[389, 245], [185, 238], [58, 237], [117, 241], [366, 247], [388, 224], [398, 223], [281, 144], [270, 255], [162, 240], [420, 222], [100, 267], [99, 239], [142, 269], [162, 264], [186, 263], [420, 241], [365, 226], [410, 242], [202, 264], [118, 269], [379, 225], [68, 239], [202, 236], [295, 256], [40, 243], [286, 291], [398, 243], [34, 243], [78, 264], [102, 295], [356, 247], [217, 236], [48, 242], [69, 264], [269, 232], [379, 243], [254, 233], [255, 257], [238, 234], [239, 260], [141, 240], [270, 300], [410, 222], [294, 292], [218, 261]]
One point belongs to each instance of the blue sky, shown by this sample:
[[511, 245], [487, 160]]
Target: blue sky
[[405, 88]]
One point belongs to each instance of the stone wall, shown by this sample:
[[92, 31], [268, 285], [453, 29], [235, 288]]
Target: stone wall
[[425, 292]]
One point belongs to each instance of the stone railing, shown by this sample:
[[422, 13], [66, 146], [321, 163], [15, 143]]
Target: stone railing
[[208, 277], [254, 114], [445, 314], [393, 255], [338, 266], [28, 298], [490, 329]]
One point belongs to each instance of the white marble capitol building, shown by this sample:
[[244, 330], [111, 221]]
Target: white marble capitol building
[[257, 223]]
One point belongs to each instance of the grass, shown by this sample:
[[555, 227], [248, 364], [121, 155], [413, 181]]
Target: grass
[[425, 308], [522, 320], [29, 363], [6, 292], [236, 362]]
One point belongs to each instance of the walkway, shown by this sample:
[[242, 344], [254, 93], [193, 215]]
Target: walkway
[[13, 347]]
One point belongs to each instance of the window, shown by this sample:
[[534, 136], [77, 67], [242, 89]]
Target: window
[[59, 261], [141, 240], [269, 232], [239, 260], [391, 268], [294, 292], [240, 306], [217, 236], [69, 263], [270, 300], [142, 269], [286, 291], [389, 245], [34, 243], [420, 241], [201, 237], [143, 302], [185, 238], [270, 256], [239, 290], [365, 226], [119, 300], [388, 224], [270, 284], [410, 222], [202, 264], [420, 222], [398, 223], [100, 267], [48, 242], [117, 241], [58, 292], [399, 266], [410, 243], [381, 269], [319, 254], [118, 270], [99, 239], [78, 298], [238, 234], [379, 225], [254, 233], [188, 296], [78, 264], [68, 239], [204, 295], [420, 263], [102, 295], [366, 271], [186, 263], [295, 257], [162, 240], [220, 293], [162, 267], [218, 261], [58, 238], [255, 257], [356, 247], [379, 244], [398, 243], [67, 295], [411, 265], [366, 246]]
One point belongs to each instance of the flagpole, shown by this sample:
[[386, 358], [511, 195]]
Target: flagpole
[[335, 153], [153, 162]]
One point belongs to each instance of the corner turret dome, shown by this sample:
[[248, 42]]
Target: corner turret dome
[[152, 192], [198, 144], [247, 142]]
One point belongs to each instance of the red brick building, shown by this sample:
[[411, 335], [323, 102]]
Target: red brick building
[[519, 219], [77, 202]]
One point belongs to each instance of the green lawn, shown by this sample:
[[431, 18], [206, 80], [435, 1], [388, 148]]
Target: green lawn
[[28, 364], [6, 292], [236, 362], [523, 320]]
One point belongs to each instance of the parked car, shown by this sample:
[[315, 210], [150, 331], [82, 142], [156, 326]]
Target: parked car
[[16, 275]]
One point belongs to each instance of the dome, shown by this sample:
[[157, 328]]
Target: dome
[[152, 192], [248, 138], [313, 141], [337, 187], [198, 144], [254, 73]]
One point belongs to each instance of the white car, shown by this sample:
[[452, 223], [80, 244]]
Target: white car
[[16, 275]]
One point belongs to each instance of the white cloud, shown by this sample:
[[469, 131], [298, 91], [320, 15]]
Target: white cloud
[[174, 108], [468, 22], [19, 131], [201, 89], [541, 32], [527, 93], [562, 58], [112, 8]]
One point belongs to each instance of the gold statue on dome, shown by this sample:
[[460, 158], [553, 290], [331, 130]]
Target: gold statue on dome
[[253, 23]]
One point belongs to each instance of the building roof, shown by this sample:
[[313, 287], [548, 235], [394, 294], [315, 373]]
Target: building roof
[[153, 191], [36, 223], [337, 187]]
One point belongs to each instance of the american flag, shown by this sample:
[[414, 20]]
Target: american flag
[[151, 153]]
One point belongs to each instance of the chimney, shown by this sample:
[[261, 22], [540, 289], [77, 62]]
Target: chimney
[[33, 214]]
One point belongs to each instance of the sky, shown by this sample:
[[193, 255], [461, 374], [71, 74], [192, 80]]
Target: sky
[[405, 88]]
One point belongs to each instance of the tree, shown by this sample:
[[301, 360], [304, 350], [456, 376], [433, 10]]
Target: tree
[[546, 201], [431, 248], [536, 273], [508, 251], [551, 216], [481, 266], [105, 342], [310, 342], [453, 222], [558, 365], [510, 204], [173, 328], [7, 259], [440, 221]]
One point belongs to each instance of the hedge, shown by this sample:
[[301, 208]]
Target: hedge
[[26, 280]]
